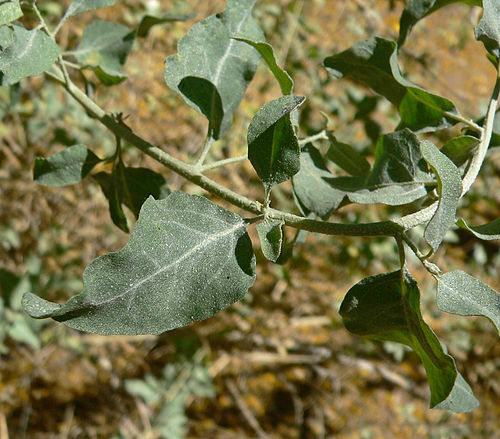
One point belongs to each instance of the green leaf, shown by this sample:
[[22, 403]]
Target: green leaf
[[186, 259], [460, 293], [386, 307], [205, 96], [449, 189], [310, 187], [66, 167], [104, 49], [397, 176], [29, 53], [488, 29], [415, 10], [130, 186], [487, 231], [267, 52], [273, 147], [148, 21], [270, 233], [460, 149], [347, 158], [209, 51], [78, 6], [10, 10], [373, 62]]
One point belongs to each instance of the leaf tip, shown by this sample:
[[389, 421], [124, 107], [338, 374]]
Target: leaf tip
[[37, 307]]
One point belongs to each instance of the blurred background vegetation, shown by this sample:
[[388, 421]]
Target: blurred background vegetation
[[280, 364]]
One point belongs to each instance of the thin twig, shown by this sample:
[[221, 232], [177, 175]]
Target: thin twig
[[470, 123], [220, 163], [246, 412], [319, 136]]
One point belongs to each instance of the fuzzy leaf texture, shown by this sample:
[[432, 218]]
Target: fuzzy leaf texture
[[374, 62], [386, 307], [273, 147], [24, 53], [416, 10], [270, 233], [186, 259], [397, 176], [310, 187], [64, 168], [488, 29], [79, 6], [460, 293], [210, 51], [10, 10], [449, 189], [104, 49]]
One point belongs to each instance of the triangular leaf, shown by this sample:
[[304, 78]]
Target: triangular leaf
[[386, 307], [104, 48], [461, 293], [273, 147], [487, 231], [271, 238], [488, 29], [10, 10], [267, 53], [187, 259], [415, 10], [397, 176], [373, 62], [209, 51], [148, 21], [29, 53], [66, 167], [449, 190], [311, 190]]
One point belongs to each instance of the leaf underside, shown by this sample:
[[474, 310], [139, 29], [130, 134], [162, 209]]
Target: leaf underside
[[386, 307], [186, 259]]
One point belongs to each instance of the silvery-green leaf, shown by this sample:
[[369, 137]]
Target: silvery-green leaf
[[486, 231], [398, 175], [29, 53], [270, 233], [386, 307], [186, 259], [488, 29], [78, 6], [210, 51], [148, 21], [104, 48], [63, 168], [347, 158], [449, 189], [10, 10], [415, 10], [460, 293], [460, 149], [267, 53], [374, 62], [273, 147], [310, 187]]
